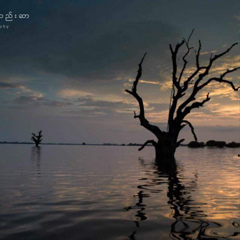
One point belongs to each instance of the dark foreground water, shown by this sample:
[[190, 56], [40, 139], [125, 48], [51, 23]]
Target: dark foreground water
[[101, 193]]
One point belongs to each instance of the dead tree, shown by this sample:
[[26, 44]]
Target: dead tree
[[37, 138], [167, 141]]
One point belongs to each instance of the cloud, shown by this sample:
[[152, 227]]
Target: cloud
[[64, 40], [220, 91], [73, 93], [105, 106], [215, 113], [110, 53], [5, 85], [19, 89], [236, 17], [231, 111], [28, 100], [35, 101], [166, 85], [58, 104], [155, 112], [26, 90], [208, 53]]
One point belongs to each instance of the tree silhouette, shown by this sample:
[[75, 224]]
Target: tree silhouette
[[167, 141], [37, 138]]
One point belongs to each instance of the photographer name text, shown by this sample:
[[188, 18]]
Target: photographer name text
[[10, 17]]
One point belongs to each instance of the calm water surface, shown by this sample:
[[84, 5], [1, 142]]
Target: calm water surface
[[101, 193]]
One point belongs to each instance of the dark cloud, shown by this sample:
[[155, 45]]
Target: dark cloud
[[82, 41], [111, 54], [158, 106], [51, 103], [8, 85], [38, 101], [90, 102], [90, 40], [88, 106], [28, 100]]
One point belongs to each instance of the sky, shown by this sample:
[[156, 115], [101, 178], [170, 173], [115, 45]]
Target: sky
[[64, 67]]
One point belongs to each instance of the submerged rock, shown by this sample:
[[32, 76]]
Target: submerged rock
[[213, 143], [233, 145], [195, 144]]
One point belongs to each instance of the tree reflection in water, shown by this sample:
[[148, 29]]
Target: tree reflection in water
[[36, 157], [181, 203], [189, 219]]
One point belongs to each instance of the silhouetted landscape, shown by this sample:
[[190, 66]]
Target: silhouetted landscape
[[119, 120]]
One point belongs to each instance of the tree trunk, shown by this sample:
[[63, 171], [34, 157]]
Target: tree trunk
[[165, 148]]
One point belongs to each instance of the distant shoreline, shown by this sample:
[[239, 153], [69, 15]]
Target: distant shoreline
[[85, 144], [76, 144]]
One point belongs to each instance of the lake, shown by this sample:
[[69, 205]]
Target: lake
[[116, 192]]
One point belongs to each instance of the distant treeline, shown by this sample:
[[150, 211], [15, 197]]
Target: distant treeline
[[213, 143]]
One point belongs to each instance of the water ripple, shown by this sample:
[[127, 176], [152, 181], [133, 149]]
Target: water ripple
[[77, 192]]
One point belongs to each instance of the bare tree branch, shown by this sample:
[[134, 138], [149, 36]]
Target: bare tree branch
[[139, 74], [192, 128], [185, 55], [179, 142], [223, 53], [146, 143], [174, 63], [198, 54], [144, 122], [221, 80], [207, 68], [187, 110], [229, 71], [198, 69], [211, 61], [176, 82]]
